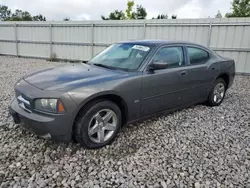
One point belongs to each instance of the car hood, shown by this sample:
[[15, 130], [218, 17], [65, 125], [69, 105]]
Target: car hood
[[71, 76]]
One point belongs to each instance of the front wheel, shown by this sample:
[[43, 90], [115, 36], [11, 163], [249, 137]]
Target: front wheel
[[98, 124], [217, 92]]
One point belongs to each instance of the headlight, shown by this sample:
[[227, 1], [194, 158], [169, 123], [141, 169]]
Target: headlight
[[49, 105]]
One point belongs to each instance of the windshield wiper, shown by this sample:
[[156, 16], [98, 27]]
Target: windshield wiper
[[105, 66]]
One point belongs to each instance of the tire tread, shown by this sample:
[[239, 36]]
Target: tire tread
[[78, 125], [210, 101]]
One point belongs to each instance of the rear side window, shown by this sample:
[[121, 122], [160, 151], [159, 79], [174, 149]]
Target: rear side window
[[197, 55]]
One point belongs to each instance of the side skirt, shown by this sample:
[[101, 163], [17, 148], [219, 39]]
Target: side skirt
[[166, 112]]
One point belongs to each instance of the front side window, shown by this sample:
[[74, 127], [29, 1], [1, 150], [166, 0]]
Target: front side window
[[173, 56], [197, 55], [122, 56]]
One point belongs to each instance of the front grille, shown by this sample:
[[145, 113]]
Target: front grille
[[23, 102]]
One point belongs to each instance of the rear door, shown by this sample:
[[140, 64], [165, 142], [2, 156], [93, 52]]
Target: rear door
[[202, 70], [164, 89]]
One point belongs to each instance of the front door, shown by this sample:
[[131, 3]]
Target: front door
[[164, 89]]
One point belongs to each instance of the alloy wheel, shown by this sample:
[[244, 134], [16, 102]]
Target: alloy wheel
[[102, 126], [219, 92]]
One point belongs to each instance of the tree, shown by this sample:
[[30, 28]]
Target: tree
[[39, 18], [104, 18], [5, 12], [240, 8], [26, 16], [116, 15], [174, 16], [66, 19], [141, 12], [18, 15], [161, 16], [129, 14], [218, 15]]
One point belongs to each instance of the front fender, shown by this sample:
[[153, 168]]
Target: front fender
[[128, 89], [82, 98]]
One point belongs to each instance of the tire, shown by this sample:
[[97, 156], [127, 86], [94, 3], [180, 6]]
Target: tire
[[90, 129], [216, 98]]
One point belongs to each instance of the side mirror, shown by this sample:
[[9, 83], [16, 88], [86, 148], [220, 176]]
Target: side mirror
[[157, 65]]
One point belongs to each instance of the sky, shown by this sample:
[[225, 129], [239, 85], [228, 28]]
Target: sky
[[93, 9]]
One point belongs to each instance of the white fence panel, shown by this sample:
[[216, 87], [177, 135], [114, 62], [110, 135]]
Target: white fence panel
[[98, 49], [72, 52], [73, 34], [30, 34], [7, 33], [82, 40], [7, 48], [33, 50]]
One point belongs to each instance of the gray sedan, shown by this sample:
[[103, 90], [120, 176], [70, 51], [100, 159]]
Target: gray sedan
[[126, 82]]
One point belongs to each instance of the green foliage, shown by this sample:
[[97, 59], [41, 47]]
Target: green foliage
[[53, 57], [129, 14], [164, 16], [174, 16], [18, 15], [66, 19], [161, 16], [39, 18], [240, 8], [141, 12], [5, 12], [104, 18], [116, 15], [218, 15]]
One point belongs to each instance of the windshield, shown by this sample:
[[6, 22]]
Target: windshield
[[121, 56]]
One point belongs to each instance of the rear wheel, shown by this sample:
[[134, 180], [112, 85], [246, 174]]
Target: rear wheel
[[217, 92], [98, 124]]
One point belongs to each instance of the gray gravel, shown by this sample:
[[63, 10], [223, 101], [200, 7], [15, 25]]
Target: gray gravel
[[196, 147]]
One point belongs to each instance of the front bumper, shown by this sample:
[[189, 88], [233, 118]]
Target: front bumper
[[57, 127]]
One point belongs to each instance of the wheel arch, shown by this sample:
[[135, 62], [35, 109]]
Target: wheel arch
[[116, 98], [225, 77]]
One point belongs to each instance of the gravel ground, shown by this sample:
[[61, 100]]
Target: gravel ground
[[195, 147]]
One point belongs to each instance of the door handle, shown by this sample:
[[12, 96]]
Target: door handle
[[213, 69], [183, 73]]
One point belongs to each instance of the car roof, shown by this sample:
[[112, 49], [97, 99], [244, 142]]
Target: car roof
[[160, 42]]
